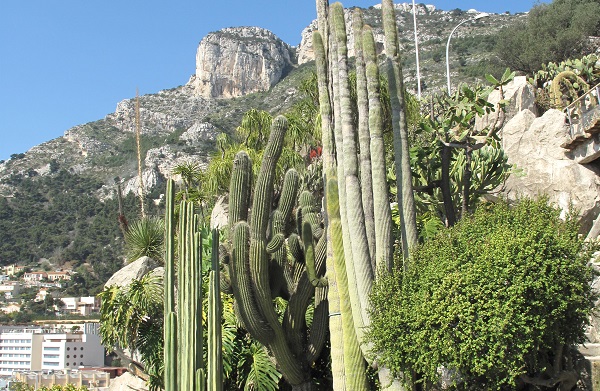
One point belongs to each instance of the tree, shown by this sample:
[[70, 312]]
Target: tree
[[499, 299], [551, 32]]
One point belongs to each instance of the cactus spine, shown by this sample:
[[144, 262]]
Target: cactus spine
[[183, 350]]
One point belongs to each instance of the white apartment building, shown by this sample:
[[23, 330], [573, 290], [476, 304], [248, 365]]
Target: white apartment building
[[71, 351], [38, 348], [20, 349]]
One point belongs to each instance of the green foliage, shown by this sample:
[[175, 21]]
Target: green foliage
[[551, 33], [451, 125], [131, 318], [60, 218], [19, 386], [260, 373], [145, 237], [252, 135], [492, 299]]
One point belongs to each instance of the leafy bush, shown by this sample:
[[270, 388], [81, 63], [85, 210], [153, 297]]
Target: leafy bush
[[496, 300]]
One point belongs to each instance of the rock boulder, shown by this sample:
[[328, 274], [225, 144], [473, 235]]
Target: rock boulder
[[542, 167], [134, 271]]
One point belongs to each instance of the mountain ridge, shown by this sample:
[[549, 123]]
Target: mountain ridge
[[178, 125]]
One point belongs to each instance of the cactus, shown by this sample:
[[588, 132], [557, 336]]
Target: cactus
[[183, 363], [215, 310], [555, 91], [170, 329], [268, 259], [349, 205]]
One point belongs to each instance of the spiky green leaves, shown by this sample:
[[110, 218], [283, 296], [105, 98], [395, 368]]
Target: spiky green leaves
[[145, 237]]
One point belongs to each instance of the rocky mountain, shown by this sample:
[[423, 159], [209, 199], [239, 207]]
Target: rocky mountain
[[238, 61], [236, 69]]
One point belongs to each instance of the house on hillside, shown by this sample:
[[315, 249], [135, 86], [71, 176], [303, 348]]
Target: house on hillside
[[59, 276], [11, 270], [10, 289], [41, 295], [80, 305], [10, 308], [34, 276]]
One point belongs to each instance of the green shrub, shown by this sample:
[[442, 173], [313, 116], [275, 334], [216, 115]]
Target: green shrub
[[493, 300]]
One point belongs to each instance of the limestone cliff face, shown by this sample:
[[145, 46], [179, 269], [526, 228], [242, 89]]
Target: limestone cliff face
[[237, 61]]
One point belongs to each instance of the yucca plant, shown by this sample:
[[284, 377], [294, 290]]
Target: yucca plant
[[145, 237]]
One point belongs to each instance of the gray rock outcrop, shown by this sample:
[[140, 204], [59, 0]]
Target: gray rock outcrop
[[134, 271], [237, 61], [127, 382], [533, 147], [521, 96], [219, 217]]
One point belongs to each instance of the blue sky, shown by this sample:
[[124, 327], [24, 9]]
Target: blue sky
[[68, 62]]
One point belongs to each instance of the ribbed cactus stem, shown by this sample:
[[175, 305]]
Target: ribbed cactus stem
[[215, 340], [242, 286], [361, 257], [362, 104], [406, 200], [170, 329], [189, 300], [333, 294], [239, 192], [383, 213], [354, 364], [309, 256], [170, 352]]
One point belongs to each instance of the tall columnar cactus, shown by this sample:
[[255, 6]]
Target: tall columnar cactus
[[269, 257], [350, 205], [183, 350], [170, 329], [406, 199], [215, 310]]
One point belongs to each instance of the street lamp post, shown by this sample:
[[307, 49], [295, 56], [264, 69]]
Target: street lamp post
[[479, 16]]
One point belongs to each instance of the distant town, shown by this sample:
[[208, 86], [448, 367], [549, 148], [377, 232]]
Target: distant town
[[38, 294]]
